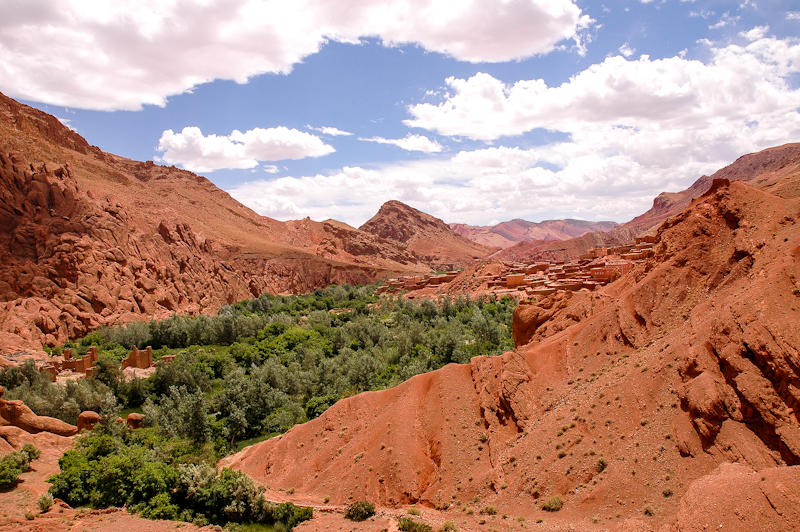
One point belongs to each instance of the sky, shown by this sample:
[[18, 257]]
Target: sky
[[473, 111]]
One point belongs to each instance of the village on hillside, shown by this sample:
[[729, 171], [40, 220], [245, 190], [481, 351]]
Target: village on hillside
[[532, 278]]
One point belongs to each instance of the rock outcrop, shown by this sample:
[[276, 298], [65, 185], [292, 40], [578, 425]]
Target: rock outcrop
[[16, 414]]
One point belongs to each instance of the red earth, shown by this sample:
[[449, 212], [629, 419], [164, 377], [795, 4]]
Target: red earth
[[627, 402]]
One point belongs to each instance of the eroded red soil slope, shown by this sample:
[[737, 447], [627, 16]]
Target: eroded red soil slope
[[624, 402]]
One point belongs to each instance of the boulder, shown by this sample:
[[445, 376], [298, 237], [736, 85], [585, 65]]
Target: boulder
[[135, 420], [15, 413], [87, 420]]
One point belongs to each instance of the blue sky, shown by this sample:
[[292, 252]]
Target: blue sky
[[475, 112]]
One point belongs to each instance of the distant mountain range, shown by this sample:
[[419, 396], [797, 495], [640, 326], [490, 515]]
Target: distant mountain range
[[506, 234]]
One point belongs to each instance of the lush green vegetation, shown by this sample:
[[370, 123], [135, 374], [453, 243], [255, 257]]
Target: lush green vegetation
[[13, 464], [254, 370], [162, 478], [260, 366]]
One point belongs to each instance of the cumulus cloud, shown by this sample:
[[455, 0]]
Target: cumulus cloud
[[626, 50], [758, 32], [329, 130], [471, 186], [634, 128], [270, 168], [123, 54], [409, 143], [205, 153], [651, 97]]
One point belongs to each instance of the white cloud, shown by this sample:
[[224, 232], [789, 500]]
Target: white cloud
[[473, 187], [409, 143], [703, 13], [270, 168], [205, 153], [626, 50], [756, 33], [793, 15], [653, 96], [633, 128], [329, 130], [725, 20], [123, 54]]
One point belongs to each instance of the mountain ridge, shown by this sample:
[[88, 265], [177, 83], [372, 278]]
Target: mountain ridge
[[506, 234], [426, 236]]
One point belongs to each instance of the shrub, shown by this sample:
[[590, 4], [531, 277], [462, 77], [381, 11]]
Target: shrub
[[406, 524], [360, 511], [553, 504], [150, 474], [489, 510], [160, 507], [9, 472], [13, 464], [448, 526], [32, 452], [45, 502], [601, 465], [317, 405]]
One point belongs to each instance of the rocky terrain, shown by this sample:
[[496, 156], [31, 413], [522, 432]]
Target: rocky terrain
[[89, 238], [642, 405], [506, 234], [423, 235]]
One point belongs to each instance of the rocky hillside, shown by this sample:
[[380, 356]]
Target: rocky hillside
[[776, 170], [89, 238], [506, 234], [423, 235], [630, 403]]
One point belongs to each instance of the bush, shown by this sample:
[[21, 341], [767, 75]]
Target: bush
[[9, 472], [45, 502], [32, 452], [448, 526], [406, 524], [152, 475], [360, 511], [601, 465], [13, 464], [553, 504]]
